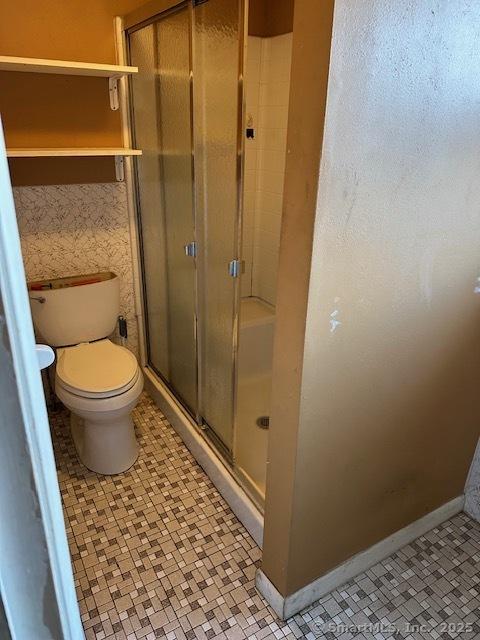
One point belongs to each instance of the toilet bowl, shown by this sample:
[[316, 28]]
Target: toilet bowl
[[100, 382]]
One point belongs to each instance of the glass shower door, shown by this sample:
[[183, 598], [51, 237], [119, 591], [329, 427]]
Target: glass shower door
[[187, 116], [161, 97], [217, 63]]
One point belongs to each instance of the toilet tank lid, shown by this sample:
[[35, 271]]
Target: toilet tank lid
[[75, 309], [96, 367], [70, 281]]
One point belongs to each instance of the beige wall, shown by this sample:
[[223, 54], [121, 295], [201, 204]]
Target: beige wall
[[384, 403], [309, 76], [40, 110]]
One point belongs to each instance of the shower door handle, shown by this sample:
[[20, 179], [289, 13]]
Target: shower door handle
[[191, 249], [236, 268]]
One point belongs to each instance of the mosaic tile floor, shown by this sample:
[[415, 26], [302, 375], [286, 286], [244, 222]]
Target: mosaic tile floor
[[157, 553]]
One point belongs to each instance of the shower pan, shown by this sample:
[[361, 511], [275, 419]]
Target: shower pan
[[187, 116]]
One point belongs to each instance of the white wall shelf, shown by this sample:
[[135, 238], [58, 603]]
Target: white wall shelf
[[118, 153], [70, 152], [71, 68], [113, 72], [64, 67]]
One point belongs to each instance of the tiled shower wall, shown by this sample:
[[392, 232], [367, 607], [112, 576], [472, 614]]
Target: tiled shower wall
[[267, 94], [76, 229]]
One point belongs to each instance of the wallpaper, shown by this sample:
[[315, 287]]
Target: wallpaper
[[76, 229]]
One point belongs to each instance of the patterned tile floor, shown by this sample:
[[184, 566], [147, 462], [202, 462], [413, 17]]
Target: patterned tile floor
[[157, 553]]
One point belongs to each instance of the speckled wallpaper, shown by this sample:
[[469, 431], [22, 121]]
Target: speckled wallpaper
[[76, 229]]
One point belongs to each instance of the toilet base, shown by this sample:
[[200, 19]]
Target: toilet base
[[106, 447], [102, 428]]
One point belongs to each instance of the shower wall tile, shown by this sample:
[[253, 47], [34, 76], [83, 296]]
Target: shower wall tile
[[272, 141], [273, 116], [267, 95], [75, 229], [252, 93]]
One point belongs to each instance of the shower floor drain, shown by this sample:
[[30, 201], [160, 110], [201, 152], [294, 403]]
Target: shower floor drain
[[263, 422]]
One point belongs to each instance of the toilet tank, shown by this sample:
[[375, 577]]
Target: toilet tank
[[75, 309]]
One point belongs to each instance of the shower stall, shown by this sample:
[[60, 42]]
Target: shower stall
[[187, 115]]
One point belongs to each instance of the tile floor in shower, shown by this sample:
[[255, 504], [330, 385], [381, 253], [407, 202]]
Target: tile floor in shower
[[157, 553]]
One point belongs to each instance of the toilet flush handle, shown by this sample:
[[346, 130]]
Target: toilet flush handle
[[40, 299]]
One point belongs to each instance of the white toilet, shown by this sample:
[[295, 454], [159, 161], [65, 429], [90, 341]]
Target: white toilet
[[99, 381]]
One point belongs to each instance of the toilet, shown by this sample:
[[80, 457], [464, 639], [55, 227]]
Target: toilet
[[98, 380]]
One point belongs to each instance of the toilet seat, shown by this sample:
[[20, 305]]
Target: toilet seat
[[99, 369]]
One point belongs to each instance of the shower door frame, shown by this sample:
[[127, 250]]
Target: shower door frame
[[208, 432], [169, 7], [134, 21]]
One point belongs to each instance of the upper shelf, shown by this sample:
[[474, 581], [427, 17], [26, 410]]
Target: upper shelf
[[64, 67], [113, 72]]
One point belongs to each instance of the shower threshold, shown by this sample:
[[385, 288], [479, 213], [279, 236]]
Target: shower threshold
[[222, 476]]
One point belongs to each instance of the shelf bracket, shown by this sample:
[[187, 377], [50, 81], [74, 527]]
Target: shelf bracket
[[119, 168], [113, 91]]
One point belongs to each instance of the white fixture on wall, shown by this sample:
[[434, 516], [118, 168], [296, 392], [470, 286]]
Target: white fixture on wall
[[45, 355]]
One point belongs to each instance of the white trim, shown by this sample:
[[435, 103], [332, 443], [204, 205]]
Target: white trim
[[70, 152], [64, 67], [120, 46], [32, 402], [238, 500], [287, 607]]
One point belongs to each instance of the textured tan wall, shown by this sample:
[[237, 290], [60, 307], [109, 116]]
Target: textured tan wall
[[387, 411], [310, 63], [41, 110]]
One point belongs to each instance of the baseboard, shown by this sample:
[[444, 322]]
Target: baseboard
[[286, 607], [240, 503]]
